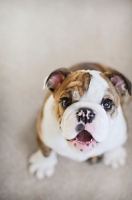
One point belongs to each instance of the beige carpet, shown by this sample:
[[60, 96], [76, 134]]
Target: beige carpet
[[35, 38]]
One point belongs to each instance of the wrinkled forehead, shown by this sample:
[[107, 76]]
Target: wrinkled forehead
[[88, 84], [76, 81], [98, 88]]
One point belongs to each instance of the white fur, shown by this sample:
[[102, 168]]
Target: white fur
[[97, 88], [115, 157], [76, 95], [53, 137], [43, 166]]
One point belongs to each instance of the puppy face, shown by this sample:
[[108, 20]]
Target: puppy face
[[86, 106]]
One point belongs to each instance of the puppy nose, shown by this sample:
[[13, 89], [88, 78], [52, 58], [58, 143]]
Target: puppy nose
[[86, 115]]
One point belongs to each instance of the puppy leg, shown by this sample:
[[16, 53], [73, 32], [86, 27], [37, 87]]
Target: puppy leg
[[43, 166], [115, 157], [44, 160]]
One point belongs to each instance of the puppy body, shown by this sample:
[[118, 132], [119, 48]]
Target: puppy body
[[51, 134], [82, 118]]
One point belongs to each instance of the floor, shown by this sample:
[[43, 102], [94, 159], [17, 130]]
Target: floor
[[36, 38]]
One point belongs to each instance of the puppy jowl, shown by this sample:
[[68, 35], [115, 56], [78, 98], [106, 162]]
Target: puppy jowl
[[81, 117]]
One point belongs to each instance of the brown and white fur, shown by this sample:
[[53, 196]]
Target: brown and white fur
[[81, 117]]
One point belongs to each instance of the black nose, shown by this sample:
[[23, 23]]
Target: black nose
[[85, 115]]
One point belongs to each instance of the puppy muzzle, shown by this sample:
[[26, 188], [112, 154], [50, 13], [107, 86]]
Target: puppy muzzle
[[84, 125]]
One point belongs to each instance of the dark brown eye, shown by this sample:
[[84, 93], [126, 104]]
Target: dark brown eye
[[65, 102], [107, 104]]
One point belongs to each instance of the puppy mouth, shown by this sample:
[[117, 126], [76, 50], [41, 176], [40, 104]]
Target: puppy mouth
[[83, 142], [83, 137]]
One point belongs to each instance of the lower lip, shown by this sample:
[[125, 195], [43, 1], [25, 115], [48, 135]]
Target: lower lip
[[82, 147]]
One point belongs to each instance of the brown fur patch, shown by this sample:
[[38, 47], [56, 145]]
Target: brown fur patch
[[77, 81], [116, 97], [95, 159], [113, 95]]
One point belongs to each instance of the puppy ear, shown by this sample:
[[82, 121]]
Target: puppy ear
[[120, 82], [56, 78]]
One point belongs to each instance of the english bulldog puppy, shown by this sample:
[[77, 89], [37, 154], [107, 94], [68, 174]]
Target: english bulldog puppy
[[81, 118]]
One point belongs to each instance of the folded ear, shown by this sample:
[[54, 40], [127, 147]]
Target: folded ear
[[120, 82], [56, 78]]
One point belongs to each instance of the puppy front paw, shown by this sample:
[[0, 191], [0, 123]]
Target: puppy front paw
[[115, 158], [43, 166]]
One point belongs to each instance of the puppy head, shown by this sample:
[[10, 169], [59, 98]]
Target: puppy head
[[86, 104]]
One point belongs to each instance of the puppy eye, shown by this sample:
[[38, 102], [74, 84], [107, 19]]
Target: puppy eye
[[107, 104], [65, 102]]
